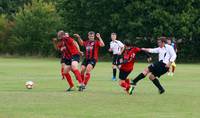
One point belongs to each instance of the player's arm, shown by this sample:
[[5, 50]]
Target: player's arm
[[147, 55], [80, 41], [77, 46], [54, 40], [122, 47], [173, 56], [151, 50], [102, 44]]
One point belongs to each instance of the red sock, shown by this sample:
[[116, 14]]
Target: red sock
[[83, 77], [87, 78], [78, 76], [69, 80], [128, 83], [125, 85], [62, 72], [173, 69]]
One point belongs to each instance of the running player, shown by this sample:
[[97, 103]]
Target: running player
[[91, 55], [117, 48], [71, 48], [127, 64], [167, 56], [173, 44], [59, 45]]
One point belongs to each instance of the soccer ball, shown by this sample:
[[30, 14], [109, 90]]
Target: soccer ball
[[29, 84]]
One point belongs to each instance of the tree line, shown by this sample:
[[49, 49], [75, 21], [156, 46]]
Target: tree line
[[27, 26]]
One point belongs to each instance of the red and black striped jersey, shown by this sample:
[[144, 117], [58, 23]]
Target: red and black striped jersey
[[92, 49], [67, 47]]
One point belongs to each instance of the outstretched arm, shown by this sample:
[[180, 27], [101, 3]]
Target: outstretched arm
[[100, 39], [150, 50], [80, 41], [146, 53], [54, 40]]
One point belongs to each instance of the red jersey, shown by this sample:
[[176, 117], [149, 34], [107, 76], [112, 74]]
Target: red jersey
[[62, 48], [129, 55], [71, 49], [92, 49]]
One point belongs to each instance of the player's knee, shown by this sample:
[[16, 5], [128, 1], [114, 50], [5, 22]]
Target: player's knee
[[114, 67], [146, 71], [151, 77]]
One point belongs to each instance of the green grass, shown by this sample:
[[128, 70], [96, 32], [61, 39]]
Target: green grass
[[102, 99]]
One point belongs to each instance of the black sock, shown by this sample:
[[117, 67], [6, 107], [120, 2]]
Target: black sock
[[114, 72], [157, 84], [138, 78]]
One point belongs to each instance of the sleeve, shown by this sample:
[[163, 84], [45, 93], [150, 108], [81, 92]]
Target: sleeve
[[154, 50], [70, 40], [172, 53], [111, 45], [121, 44], [84, 43], [59, 45], [136, 50], [98, 43]]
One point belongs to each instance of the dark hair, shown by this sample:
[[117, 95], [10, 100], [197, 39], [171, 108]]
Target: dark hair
[[127, 43], [113, 33], [91, 32], [163, 39]]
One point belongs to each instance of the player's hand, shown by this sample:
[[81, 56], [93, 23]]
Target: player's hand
[[98, 35], [149, 59], [168, 65], [62, 48], [77, 35], [54, 39], [81, 53], [110, 50]]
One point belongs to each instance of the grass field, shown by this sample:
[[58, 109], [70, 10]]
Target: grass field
[[102, 99]]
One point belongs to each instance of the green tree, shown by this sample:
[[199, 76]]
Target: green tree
[[35, 25]]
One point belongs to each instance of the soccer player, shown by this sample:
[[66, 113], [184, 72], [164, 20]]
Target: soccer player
[[117, 48], [91, 55], [127, 64], [71, 48], [173, 44], [59, 45], [167, 56]]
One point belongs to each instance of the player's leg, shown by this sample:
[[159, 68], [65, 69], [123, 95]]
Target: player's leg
[[140, 76], [87, 75], [156, 71], [123, 80], [114, 67], [62, 70], [74, 67], [156, 82], [66, 74], [83, 69], [90, 66], [173, 68]]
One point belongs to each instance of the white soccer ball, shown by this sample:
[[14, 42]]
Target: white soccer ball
[[29, 84]]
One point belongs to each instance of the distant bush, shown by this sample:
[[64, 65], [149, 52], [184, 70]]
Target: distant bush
[[35, 25]]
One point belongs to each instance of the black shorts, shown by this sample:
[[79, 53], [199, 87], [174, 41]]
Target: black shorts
[[116, 59], [76, 58], [158, 68], [89, 61], [123, 75], [66, 61]]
